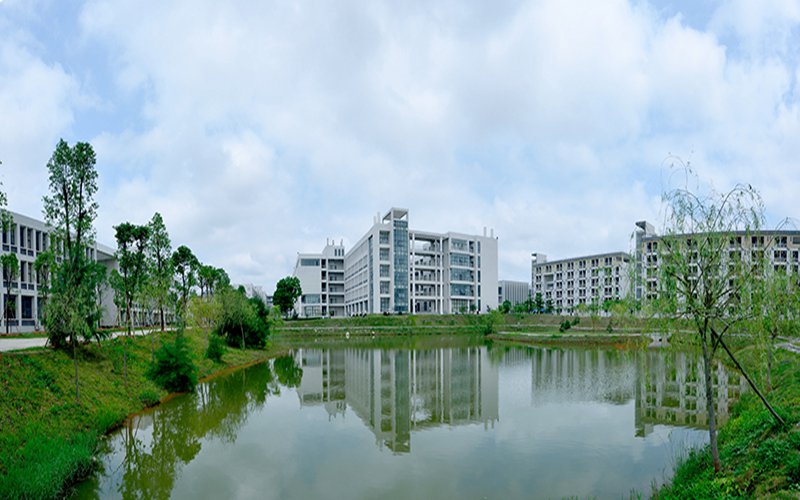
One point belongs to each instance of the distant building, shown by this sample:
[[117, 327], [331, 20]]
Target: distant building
[[322, 281], [581, 280], [515, 292], [780, 247], [395, 269], [27, 238], [398, 270]]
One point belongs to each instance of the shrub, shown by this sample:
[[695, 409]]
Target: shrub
[[242, 323], [216, 348], [174, 369], [565, 325]]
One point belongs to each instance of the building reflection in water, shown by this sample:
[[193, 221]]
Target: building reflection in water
[[667, 385], [397, 391], [670, 390]]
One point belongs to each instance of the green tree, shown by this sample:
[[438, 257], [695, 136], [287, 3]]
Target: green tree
[[286, 293], [10, 272], [159, 250], [131, 246], [184, 264], [706, 278], [240, 322], [70, 210], [539, 303], [776, 310], [206, 279], [505, 307]]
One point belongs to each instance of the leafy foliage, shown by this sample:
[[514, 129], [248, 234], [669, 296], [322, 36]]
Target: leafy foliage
[[10, 270], [174, 368], [286, 293], [240, 322], [216, 348], [184, 264], [159, 249]]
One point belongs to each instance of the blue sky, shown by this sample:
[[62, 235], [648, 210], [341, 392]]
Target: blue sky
[[260, 129]]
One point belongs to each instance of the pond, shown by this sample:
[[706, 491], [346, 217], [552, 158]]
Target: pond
[[463, 421]]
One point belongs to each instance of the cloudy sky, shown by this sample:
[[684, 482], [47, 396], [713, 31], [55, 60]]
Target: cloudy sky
[[259, 129]]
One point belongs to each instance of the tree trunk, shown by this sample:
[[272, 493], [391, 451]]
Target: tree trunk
[[750, 382], [75, 363], [125, 345], [769, 365], [241, 329], [712, 417], [161, 309]]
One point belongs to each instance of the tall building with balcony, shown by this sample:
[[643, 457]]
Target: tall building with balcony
[[395, 269], [27, 238], [779, 248], [321, 278], [592, 279]]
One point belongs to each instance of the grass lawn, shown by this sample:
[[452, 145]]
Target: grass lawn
[[47, 438]]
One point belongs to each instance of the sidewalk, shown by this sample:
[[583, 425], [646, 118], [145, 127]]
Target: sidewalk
[[16, 344]]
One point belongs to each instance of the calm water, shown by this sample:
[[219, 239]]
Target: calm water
[[456, 422]]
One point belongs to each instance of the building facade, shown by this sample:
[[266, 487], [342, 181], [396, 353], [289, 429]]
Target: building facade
[[515, 292], [593, 279], [27, 238], [395, 269], [779, 248], [321, 278]]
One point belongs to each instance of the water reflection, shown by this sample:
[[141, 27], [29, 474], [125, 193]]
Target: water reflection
[[616, 417], [396, 391], [670, 390], [146, 455]]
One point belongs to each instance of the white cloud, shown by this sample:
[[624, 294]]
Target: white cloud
[[260, 129]]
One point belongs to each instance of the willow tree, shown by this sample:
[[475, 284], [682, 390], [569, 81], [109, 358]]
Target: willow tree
[[710, 263], [776, 311], [70, 210]]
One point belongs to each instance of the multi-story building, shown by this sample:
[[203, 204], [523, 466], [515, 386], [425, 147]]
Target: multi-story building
[[321, 278], [780, 248], [567, 283], [395, 269], [515, 292], [27, 238]]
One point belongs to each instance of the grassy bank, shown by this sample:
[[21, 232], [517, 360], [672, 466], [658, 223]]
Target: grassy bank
[[760, 459], [455, 324], [572, 337], [47, 439]]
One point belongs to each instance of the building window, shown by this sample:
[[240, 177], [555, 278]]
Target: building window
[[27, 307], [309, 262]]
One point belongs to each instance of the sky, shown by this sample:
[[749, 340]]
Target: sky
[[261, 129]]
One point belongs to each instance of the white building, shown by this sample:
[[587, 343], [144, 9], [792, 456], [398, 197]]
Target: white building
[[27, 238], [321, 278], [780, 248], [568, 283], [394, 269], [515, 292]]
